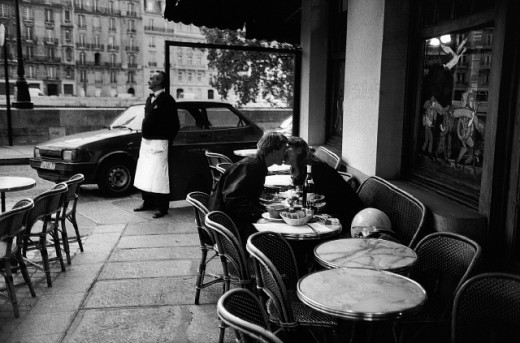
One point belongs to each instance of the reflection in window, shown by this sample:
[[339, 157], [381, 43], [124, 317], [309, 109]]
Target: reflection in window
[[453, 107]]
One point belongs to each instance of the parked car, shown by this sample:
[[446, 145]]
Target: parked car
[[108, 157]]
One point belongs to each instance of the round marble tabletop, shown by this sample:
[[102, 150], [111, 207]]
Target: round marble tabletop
[[368, 253], [361, 294], [14, 183], [309, 231], [245, 152]]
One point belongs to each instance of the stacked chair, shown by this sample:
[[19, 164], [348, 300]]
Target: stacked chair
[[47, 209], [487, 309], [199, 201], [444, 262], [276, 277], [213, 160], [11, 230], [241, 309], [328, 157]]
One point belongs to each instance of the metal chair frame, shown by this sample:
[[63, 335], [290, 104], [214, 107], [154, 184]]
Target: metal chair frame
[[241, 309], [199, 201], [71, 196], [213, 160], [491, 303], [406, 213], [12, 226], [328, 157], [47, 208]]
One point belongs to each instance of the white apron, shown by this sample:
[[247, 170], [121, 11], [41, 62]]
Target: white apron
[[151, 174]]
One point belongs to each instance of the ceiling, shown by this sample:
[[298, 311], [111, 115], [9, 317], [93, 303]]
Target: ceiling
[[262, 19]]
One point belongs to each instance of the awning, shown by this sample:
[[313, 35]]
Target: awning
[[262, 19]]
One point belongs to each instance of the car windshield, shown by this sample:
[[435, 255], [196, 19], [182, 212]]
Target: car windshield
[[131, 118]]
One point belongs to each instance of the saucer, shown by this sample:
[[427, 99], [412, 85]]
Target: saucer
[[267, 216]]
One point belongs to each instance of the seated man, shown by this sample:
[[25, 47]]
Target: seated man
[[239, 189], [342, 202]]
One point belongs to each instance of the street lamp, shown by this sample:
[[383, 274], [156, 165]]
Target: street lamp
[[7, 95], [23, 99]]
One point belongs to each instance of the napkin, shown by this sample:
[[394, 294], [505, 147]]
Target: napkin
[[283, 228]]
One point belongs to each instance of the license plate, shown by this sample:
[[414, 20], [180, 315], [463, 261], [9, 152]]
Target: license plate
[[48, 165]]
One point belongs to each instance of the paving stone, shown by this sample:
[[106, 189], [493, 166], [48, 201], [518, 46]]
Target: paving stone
[[104, 212], [35, 324], [164, 253], [63, 285], [155, 241], [89, 257], [204, 317], [52, 303], [52, 338], [82, 270], [143, 269], [148, 292], [119, 228], [141, 229]]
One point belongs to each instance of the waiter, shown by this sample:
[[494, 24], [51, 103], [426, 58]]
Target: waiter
[[159, 128]]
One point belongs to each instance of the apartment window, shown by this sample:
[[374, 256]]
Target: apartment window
[[68, 36], [199, 60], [29, 52], [51, 72], [131, 26], [49, 15], [111, 24], [111, 42], [190, 59], [131, 9], [113, 58], [131, 43], [199, 76], [67, 16], [27, 13], [98, 76], [95, 5], [81, 21], [113, 77], [51, 53], [83, 75], [150, 23], [151, 42], [131, 59], [28, 32], [447, 128], [68, 73], [179, 58], [179, 76], [4, 11], [97, 23], [82, 58], [31, 72], [97, 59], [211, 94], [68, 54], [110, 7], [97, 43], [131, 77], [49, 35], [82, 40]]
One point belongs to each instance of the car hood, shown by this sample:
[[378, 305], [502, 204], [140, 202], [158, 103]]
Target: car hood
[[83, 138]]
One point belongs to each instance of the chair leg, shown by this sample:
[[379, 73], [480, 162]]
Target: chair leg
[[72, 218], [65, 239], [56, 237], [25, 274], [45, 259], [222, 326], [201, 273]]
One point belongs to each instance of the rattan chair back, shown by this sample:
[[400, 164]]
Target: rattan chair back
[[406, 213], [241, 309], [487, 309], [70, 204], [199, 201], [444, 262], [328, 157], [47, 204], [213, 160]]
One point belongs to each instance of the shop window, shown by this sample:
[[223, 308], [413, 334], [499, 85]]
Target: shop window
[[449, 120]]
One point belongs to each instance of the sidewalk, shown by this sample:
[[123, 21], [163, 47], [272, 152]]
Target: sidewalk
[[18, 154], [133, 283]]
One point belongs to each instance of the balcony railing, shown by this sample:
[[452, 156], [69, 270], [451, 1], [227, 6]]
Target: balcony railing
[[52, 41], [82, 45], [98, 47], [131, 14], [132, 65], [157, 28], [131, 31], [112, 48], [132, 48], [44, 59]]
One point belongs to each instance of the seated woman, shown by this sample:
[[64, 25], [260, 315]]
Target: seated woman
[[342, 202], [238, 191]]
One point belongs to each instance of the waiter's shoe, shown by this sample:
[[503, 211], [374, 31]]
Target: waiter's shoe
[[160, 213], [143, 207]]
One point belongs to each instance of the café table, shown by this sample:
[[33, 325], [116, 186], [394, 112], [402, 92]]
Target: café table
[[377, 254], [309, 231], [361, 295], [245, 152], [14, 183], [278, 180]]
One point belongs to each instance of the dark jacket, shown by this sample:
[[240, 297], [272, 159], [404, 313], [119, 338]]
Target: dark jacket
[[161, 120], [342, 201], [238, 192]]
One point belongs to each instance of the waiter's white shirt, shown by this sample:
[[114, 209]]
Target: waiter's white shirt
[[151, 174]]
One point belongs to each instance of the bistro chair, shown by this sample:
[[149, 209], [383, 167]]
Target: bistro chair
[[349, 179], [199, 201], [328, 157], [241, 309], [69, 213], [47, 208], [444, 262], [11, 228], [277, 275], [213, 160], [222, 167], [235, 264], [406, 213], [487, 309]]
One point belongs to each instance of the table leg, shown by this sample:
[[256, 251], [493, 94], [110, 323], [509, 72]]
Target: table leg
[[3, 201]]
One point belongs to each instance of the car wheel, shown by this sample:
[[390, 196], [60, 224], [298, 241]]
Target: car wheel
[[116, 177]]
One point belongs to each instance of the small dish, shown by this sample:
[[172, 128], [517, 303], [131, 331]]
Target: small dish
[[295, 220], [267, 216]]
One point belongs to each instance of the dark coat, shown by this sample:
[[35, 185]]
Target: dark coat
[[161, 120]]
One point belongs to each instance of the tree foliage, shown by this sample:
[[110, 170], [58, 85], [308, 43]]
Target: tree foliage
[[250, 74]]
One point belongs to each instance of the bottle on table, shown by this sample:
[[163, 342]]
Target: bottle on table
[[308, 190]]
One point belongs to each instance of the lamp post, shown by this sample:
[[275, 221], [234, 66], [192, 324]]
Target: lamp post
[[23, 99], [7, 95]]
